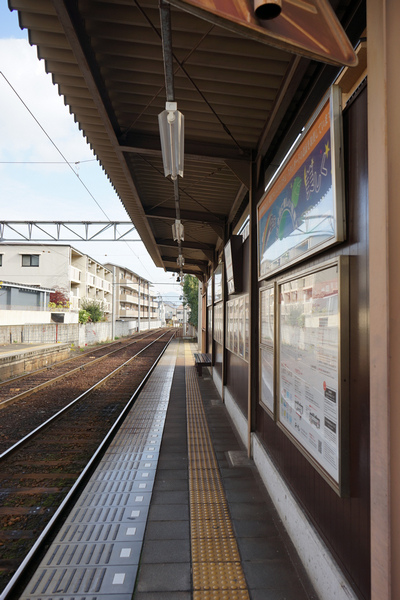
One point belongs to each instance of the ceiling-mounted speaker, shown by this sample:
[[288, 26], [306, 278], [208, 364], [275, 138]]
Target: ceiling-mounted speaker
[[267, 9]]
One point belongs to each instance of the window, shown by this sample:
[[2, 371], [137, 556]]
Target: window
[[1, 260], [30, 260]]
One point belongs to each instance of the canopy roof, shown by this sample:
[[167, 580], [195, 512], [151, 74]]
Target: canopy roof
[[243, 103]]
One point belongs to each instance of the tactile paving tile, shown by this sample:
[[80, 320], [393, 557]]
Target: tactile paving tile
[[96, 553], [216, 568], [218, 576], [220, 595]]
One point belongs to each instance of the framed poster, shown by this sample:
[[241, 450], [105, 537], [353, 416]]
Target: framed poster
[[241, 320], [233, 253], [218, 323], [313, 367], [303, 211], [236, 326], [247, 328], [218, 288], [209, 328], [209, 292], [267, 388], [267, 346], [267, 315]]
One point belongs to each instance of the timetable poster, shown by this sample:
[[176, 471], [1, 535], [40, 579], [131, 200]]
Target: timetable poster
[[309, 365]]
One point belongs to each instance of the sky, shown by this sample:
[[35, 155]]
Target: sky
[[36, 182]]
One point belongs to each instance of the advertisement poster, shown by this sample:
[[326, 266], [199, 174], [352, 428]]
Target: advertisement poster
[[267, 315], [267, 377], [302, 211], [218, 280], [238, 326], [247, 328], [309, 377], [209, 292], [241, 323], [218, 322]]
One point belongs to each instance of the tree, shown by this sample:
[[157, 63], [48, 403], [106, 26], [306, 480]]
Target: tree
[[94, 308], [191, 297], [59, 298]]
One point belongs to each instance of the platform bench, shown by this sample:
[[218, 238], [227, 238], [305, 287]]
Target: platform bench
[[200, 361]]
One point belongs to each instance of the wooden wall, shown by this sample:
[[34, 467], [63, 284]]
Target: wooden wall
[[344, 523]]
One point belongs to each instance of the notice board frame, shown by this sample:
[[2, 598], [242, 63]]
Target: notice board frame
[[303, 209], [267, 346], [300, 358]]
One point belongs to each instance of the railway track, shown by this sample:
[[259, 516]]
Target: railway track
[[14, 388], [42, 471], [38, 401]]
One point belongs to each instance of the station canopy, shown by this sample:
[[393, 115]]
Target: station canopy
[[243, 99]]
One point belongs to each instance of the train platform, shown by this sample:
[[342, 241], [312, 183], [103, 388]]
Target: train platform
[[175, 510], [19, 358]]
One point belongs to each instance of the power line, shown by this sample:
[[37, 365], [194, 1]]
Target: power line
[[66, 161]]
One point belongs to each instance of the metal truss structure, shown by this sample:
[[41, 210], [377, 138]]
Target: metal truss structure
[[67, 231]]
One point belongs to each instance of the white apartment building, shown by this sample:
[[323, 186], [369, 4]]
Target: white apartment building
[[135, 299], [57, 267]]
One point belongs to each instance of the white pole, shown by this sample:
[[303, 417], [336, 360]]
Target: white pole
[[113, 304]]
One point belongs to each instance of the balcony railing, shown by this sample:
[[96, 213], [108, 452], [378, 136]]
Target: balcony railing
[[75, 274]]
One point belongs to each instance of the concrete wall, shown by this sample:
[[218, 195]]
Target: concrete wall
[[21, 317], [43, 333], [42, 317], [71, 333]]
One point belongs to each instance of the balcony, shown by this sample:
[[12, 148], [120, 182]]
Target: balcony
[[74, 274], [75, 303], [128, 298], [127, 312]]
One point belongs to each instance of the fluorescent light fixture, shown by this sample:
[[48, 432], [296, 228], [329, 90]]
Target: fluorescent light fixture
[[171, 124], [180, 261], [178, 231]]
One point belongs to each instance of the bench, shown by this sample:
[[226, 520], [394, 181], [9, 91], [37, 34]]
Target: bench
[[200, 361]]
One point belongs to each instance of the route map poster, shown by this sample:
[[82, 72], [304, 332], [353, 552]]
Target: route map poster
[[311, 397], [302, 211]]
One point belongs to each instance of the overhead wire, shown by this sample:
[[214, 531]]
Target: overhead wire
[[68, 163]]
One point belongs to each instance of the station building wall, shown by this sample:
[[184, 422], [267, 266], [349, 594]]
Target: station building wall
[[342, 523]]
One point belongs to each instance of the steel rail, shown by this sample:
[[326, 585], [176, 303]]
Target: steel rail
[[50, 529], [66, 360], [66, 408], [40, 386]]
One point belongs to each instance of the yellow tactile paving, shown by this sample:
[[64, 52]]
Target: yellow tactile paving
[[211, 528], [218, 576], [221, 595], [217, 570], [222, 549], [210, 511]]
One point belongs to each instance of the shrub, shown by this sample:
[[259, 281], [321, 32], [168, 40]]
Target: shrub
[[84, 316], [94, 308]]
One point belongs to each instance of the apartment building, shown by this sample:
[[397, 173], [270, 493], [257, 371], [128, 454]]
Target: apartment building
[[134, 298], [57, 267]]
